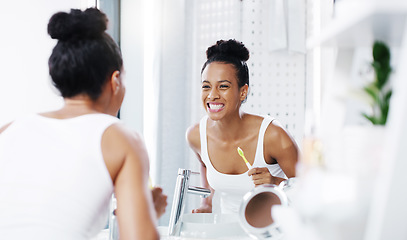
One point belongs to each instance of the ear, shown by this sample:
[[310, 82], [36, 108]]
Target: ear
[[243, 92], [115, 82]]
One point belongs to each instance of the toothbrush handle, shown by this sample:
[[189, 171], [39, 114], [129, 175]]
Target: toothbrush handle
[[248, 165]]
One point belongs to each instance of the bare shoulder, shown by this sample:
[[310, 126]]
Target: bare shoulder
[[253, 119], [280, 147], [120, 144], [193, 137], [3, 128], [126, 137], [275, 134]]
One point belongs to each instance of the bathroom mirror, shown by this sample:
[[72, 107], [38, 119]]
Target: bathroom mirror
[[258, 210], [163, 70], [255, 213]]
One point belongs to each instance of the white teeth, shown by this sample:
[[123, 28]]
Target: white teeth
[[215, 106]]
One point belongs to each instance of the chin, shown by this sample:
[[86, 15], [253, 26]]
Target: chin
[[214, 116]]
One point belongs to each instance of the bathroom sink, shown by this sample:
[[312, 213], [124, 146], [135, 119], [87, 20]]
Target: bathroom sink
[[207, 226], [212, 226]]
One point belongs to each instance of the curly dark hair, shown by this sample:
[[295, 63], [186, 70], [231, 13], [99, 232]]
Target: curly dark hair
[[85, 56], [231, 52]]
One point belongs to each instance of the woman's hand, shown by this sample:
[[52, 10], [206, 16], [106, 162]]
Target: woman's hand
[[203, 209], [160, 201], [262, 176]]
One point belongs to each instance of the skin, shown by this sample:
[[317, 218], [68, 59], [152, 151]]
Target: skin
[[229, 127], [125, 156]]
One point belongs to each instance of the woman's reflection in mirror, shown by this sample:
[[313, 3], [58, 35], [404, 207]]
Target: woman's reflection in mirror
[[268, 147]]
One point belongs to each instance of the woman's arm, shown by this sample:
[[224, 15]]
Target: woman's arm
[[194, 141], [280, 147], [126, 158]]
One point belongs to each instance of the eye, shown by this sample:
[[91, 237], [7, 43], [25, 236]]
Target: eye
[[224, 86], [205, 87]]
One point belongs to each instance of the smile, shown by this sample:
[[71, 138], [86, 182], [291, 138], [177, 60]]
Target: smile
[[215, 107]]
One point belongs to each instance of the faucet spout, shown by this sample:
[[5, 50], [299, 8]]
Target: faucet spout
[[181, 189]]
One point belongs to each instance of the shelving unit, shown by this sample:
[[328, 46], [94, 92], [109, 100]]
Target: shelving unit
[[365, 22], [360, 27]]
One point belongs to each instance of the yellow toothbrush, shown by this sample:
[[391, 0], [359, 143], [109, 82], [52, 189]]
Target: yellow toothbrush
[[240, 151], [150, 183]]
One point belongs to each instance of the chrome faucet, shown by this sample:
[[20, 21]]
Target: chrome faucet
[[181, 189]]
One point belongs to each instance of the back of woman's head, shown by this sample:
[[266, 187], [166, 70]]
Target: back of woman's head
[[85, 56], [230, 52]]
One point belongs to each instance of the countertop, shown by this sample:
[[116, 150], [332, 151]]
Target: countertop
[[104, 235]]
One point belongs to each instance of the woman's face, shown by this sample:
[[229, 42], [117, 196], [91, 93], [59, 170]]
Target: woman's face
[[221, 94]]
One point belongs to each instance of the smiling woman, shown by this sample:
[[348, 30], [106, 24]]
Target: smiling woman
[[270, 150]]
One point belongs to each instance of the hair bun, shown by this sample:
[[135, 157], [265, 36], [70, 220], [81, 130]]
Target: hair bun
[[231, 48], [90, 23]]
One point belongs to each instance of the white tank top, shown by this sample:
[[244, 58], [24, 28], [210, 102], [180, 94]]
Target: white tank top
[[54, 183], [232, 187]]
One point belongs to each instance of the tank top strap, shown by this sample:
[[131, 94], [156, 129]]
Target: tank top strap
[[259, 151]]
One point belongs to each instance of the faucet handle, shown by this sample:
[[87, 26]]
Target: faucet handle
[[203, 192], [184, 172], [187, 172]]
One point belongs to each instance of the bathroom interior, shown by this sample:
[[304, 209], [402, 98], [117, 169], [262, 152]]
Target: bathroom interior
[[310, 62]]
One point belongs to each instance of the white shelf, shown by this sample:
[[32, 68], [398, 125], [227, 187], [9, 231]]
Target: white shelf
[[362, 25]]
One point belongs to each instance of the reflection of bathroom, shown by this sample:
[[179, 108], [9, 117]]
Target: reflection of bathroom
[[310, 62]]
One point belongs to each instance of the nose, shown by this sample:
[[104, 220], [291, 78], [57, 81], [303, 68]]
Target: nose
[[213, 94]]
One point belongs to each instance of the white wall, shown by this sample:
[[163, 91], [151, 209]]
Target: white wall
[[25, 46], [131, 44], [173, 100], [153, 47]]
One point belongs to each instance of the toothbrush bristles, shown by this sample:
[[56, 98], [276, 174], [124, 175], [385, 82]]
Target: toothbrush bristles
[[240, 151]]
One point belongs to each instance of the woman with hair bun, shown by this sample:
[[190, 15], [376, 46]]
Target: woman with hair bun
[[267, 146], [59, 169]]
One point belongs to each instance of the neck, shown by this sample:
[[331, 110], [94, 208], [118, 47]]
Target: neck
[[230, 128], [80, 105]]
